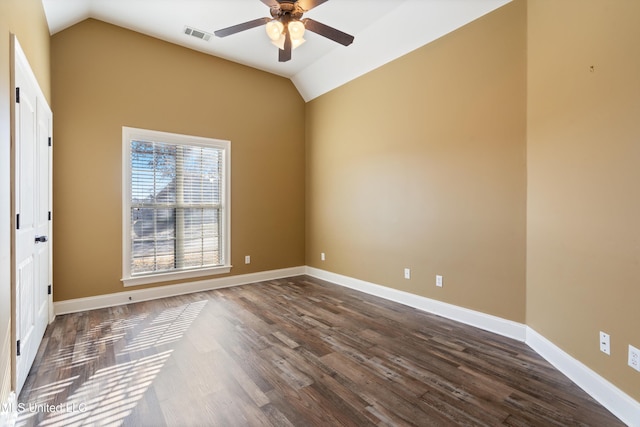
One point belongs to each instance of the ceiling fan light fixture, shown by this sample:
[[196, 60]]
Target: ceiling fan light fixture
[[296, 43], [274, 30], [280, 42], [296, 30]]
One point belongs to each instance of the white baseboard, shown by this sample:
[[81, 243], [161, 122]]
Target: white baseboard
[[9, 411], [480, 320], [615, 400], [127, 297]]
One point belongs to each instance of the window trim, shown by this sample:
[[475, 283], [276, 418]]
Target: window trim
[[129, 134]]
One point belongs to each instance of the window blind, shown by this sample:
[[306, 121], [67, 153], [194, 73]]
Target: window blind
[[176, 207]]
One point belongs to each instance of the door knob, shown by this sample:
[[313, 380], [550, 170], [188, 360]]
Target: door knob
[[41, 239]]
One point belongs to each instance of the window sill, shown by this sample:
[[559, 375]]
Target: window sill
[[175, 275]]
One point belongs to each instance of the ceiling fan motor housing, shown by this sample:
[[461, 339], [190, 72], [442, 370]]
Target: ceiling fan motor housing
[[287, 11]]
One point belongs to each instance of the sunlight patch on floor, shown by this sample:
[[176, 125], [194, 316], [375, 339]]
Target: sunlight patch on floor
[[109, 395]]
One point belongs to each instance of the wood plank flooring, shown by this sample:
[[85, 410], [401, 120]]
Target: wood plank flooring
[[290, 352]]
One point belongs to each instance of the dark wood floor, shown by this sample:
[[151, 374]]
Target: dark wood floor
[[287, 352]]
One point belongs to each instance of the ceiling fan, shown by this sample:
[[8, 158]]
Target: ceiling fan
[[286, 27]]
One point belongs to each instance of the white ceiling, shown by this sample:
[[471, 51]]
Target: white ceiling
[[384, 30]]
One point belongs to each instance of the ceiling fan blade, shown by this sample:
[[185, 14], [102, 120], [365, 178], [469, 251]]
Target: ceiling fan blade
[[328, 32], [270, 3], [285, 54], [307, 5], [241, 27]]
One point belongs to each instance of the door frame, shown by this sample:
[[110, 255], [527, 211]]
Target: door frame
[[17, 55]]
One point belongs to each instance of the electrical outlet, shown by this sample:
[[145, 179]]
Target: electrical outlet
[[438, 281], [407, 273], [322, 257], [247, 259], [605, 343], [634, 358]]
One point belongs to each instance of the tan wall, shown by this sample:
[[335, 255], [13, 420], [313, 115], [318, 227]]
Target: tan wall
[[25, 18], [105, 77], [583, 243], [421, 164]]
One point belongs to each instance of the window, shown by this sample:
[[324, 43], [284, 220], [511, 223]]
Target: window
[[175, 206]]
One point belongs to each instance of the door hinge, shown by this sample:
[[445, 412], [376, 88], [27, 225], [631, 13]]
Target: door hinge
[[17, 95], [49, 215], [49, 141], [18, 348], [18, 222], [49, 290]]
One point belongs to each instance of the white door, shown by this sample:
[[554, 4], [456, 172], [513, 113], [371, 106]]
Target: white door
[[32, 173]]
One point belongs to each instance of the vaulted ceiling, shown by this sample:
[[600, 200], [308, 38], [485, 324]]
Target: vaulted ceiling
[[384, 30]]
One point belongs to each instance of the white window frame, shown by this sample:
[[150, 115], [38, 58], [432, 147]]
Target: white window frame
[[129, 134]]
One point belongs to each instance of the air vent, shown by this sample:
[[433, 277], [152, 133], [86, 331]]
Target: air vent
[[202, 35]]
